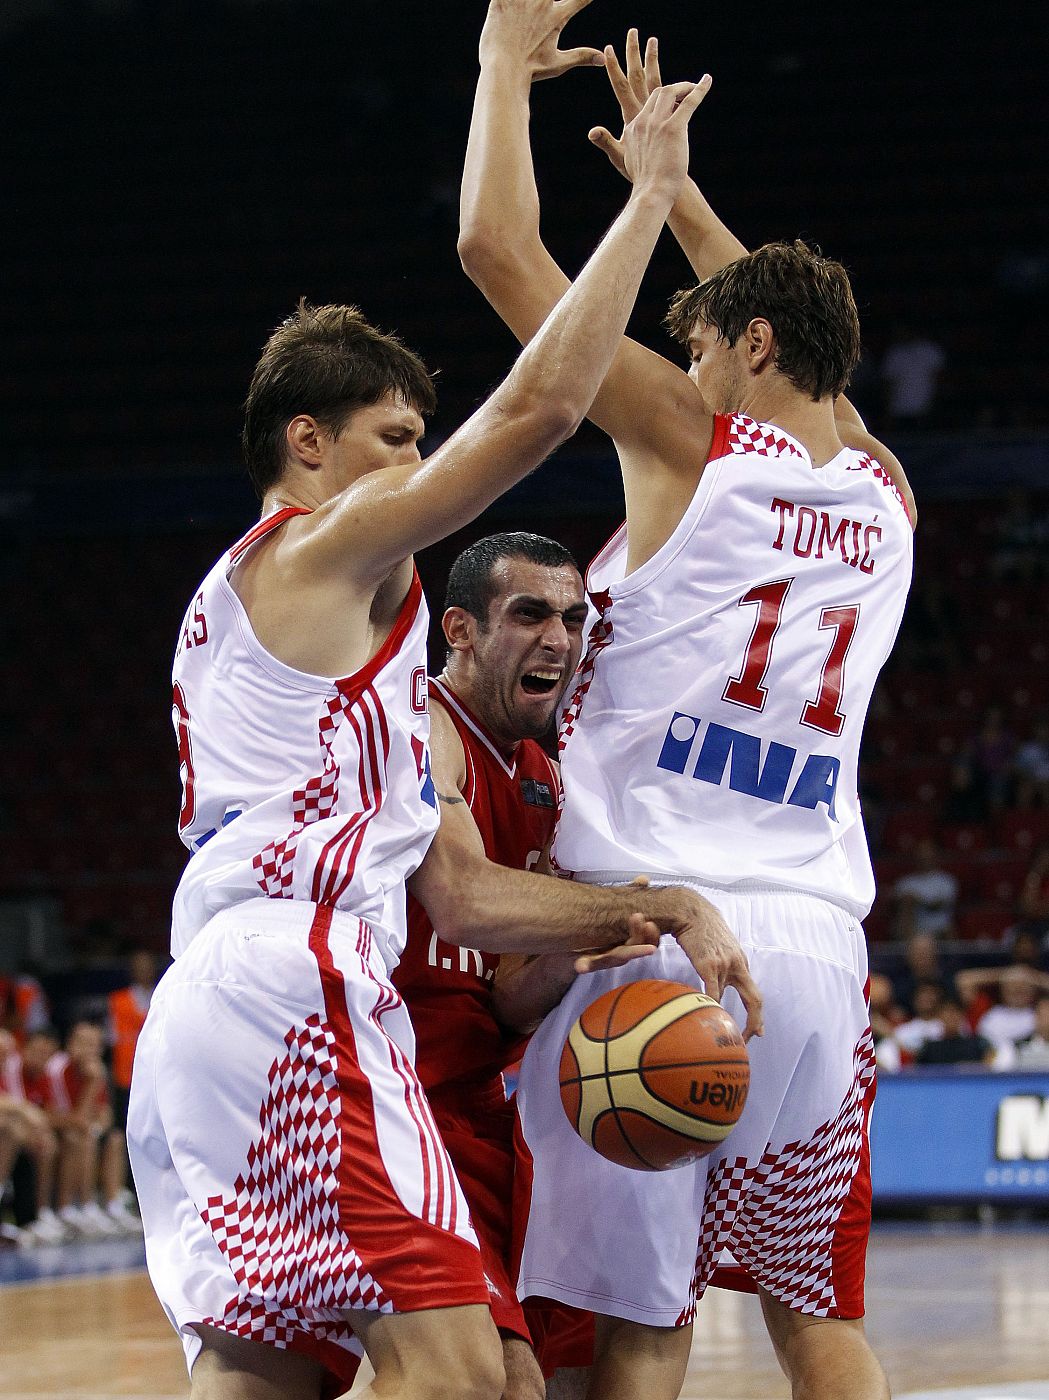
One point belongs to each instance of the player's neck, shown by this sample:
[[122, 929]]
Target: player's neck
[[474, 703], [812, 424]]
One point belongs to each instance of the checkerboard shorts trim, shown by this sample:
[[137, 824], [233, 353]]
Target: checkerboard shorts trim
[[798, 1219], [279, 1228]]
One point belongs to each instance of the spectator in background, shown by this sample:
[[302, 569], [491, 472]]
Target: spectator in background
[[925, 1024], [926, 897], [910, 369], [1031, 767], [23, 1005], [990, 756], [922, 964], [1010, 1016], [1032, 1051], [957, 1045], [25, 1077], [82, 1115], [127, 1016], [886, 1015]]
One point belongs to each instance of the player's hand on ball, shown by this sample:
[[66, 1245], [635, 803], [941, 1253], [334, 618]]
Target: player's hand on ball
[[632, 88], [712, 949], [529, 31]]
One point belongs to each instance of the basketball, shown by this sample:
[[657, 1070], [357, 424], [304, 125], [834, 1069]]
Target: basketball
[[654, 1074]]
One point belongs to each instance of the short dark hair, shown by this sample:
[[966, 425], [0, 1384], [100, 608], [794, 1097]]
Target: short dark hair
[[326, 361], [470, 583], [805, 297]]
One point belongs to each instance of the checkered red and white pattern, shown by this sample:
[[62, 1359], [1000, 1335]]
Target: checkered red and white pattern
[[280, 1230], [780, 1216], [598, 638], [746, 435]]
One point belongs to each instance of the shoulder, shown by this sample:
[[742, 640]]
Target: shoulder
[[447, 752]]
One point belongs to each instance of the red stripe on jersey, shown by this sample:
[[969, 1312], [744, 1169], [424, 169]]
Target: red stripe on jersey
[[719, 442], [263, 528], [335, 847], [378, 775], [371, 1213]]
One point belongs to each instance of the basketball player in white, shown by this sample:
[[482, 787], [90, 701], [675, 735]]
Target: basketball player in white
[[740, 621], [296, 1197]]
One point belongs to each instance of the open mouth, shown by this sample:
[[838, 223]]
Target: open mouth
[[540, 682]]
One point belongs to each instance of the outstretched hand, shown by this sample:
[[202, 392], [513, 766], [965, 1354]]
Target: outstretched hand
[[529, 31], [632, 87], [654, 144]]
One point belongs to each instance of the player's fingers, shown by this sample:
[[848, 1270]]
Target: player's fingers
[[613, 149], [568, 8], [689, 100], [624, 94], [582, 58], [652, 75], [597, 962], [634, 69], [752, 1001]]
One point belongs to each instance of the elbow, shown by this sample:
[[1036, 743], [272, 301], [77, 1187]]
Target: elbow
[[478, 248]]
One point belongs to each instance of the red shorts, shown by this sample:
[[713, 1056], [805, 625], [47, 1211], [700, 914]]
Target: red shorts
[[477, 1126]]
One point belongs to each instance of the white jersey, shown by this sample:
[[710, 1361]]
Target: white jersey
[[298, 786], [714, 727]]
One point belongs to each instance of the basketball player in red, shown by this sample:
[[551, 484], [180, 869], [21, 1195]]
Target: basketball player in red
[[297, 1200], [766, 531], [513, 621]]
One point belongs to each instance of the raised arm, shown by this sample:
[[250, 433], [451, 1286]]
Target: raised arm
[[646, 404], [707, 242], [391, 513]]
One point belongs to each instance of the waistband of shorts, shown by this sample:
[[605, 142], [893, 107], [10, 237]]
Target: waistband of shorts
[[702, 886]]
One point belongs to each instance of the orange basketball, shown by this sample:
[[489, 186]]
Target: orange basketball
[[654, 1074]]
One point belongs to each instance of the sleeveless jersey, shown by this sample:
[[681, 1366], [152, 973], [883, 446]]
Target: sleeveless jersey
[[714, 726], [448, 989], [298, 786]]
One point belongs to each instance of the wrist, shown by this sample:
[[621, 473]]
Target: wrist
[[509, 69], [652, 196]]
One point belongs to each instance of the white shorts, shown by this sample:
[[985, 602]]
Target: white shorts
[[284, 1154], [788, 1191]]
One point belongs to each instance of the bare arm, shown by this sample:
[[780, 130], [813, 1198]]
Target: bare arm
[[646, 404], [707, 242], [388, 514], [475, 902]]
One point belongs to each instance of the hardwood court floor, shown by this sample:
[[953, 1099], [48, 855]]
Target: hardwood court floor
[[948, 1310]]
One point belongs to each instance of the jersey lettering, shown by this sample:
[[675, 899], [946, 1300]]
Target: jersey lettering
[[180, 719], [195, 627], [732, 751], [819, 535]]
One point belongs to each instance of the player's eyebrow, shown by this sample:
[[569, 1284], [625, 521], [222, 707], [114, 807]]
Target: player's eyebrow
[[525, 600]]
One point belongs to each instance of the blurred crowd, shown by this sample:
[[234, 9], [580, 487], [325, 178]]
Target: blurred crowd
[[63, 1110]]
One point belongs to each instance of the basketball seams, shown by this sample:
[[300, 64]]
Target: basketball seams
[[644, 1115]]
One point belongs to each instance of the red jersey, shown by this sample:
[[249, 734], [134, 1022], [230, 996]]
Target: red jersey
[[20, 1083], [449, 989], [68, 1085]]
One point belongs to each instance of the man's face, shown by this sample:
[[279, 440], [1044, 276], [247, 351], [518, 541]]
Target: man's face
[[384, 434], [525, 656], [36, 1052], [85, 1042], [716, 370]]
